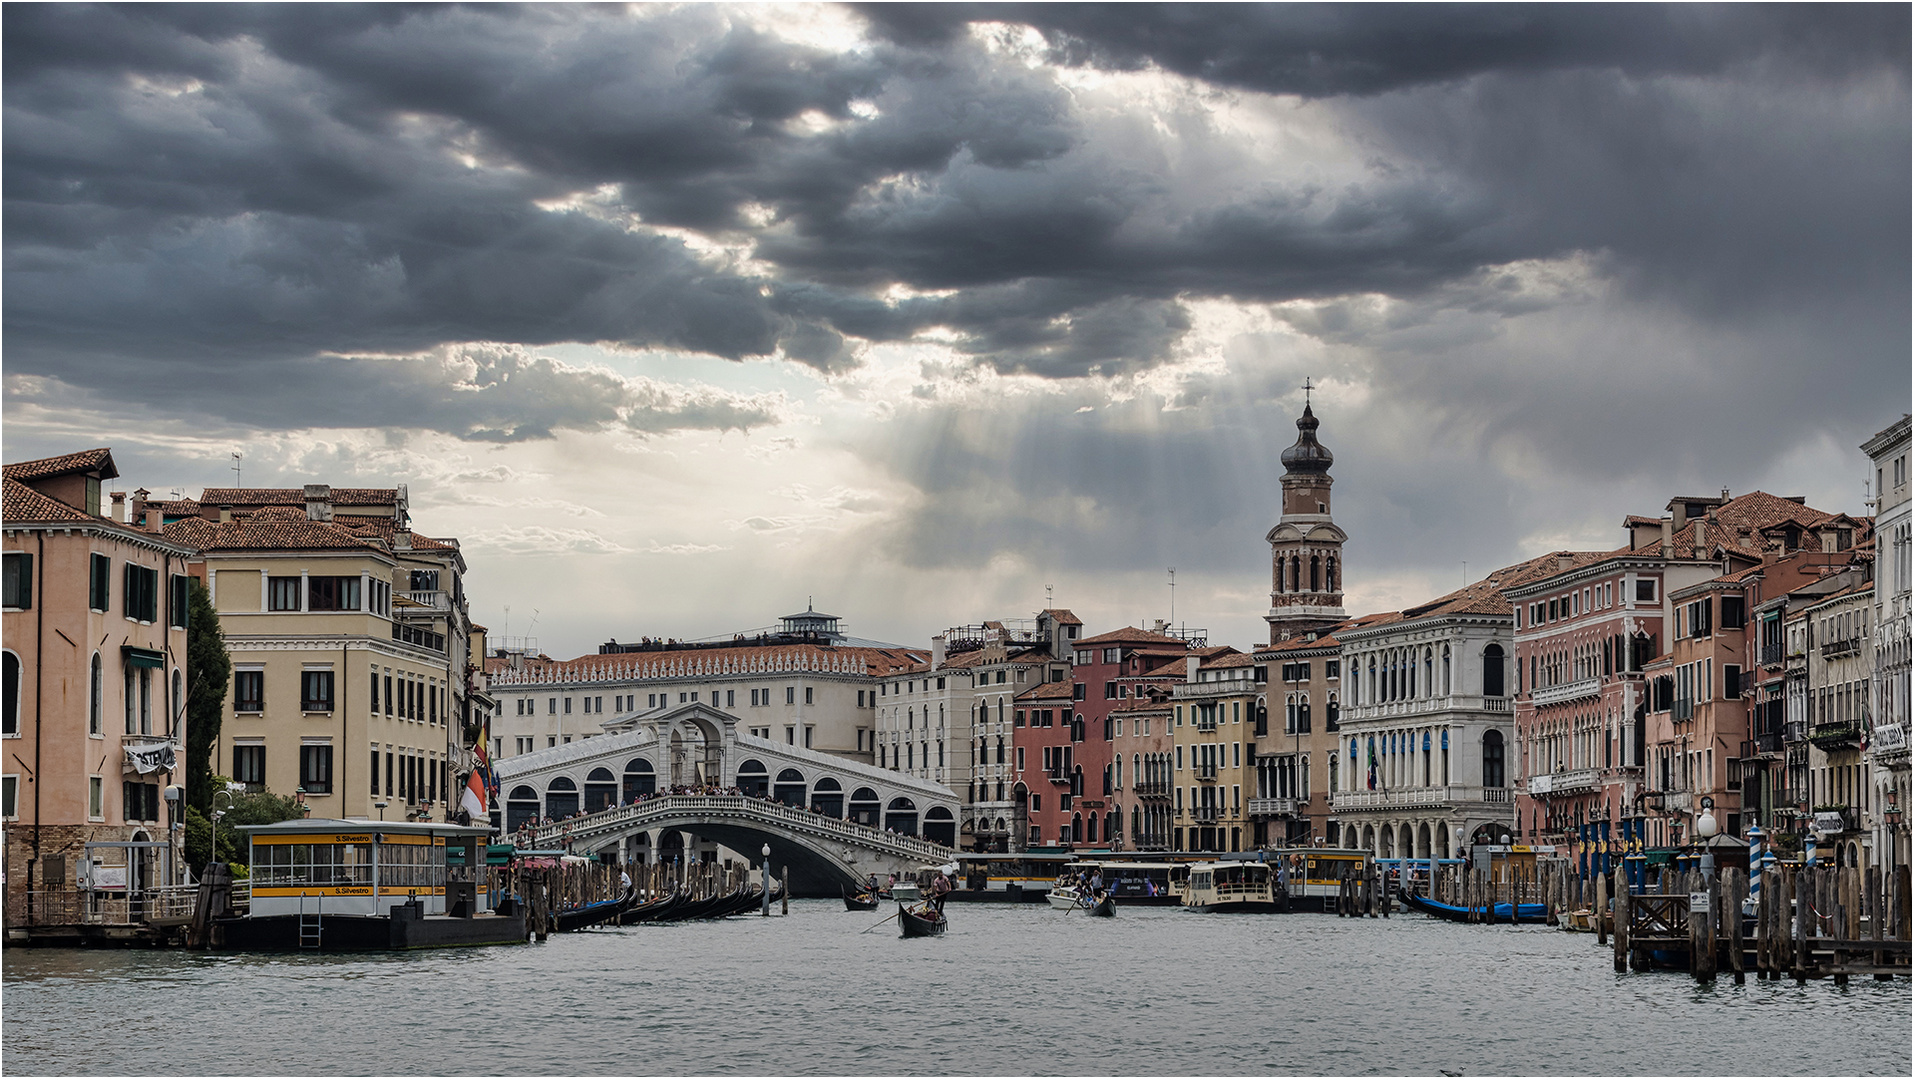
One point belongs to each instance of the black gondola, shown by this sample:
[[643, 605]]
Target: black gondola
[[585, 915], [1105, 908], [862, 900], [648, 910], [924, 921]]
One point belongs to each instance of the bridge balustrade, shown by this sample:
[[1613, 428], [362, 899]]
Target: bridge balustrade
[[839, 829]]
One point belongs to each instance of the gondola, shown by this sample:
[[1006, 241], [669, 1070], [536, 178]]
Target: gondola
[[1525, 913], [648, 910], [585, 915], [1105, 908], [926, 921], [736, 901], [861, 900], [698, 909]]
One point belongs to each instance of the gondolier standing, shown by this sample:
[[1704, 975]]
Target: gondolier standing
[[940, 888]]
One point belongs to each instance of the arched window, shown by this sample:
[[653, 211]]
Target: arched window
[[752, 779], [1296, 567], [639, 779], [864, 807], [790, 788], [601, 789], [1316, 574], [1493, 759], [1446, 671], [1330, 574], [827, 797], [561, 797], [520, 807], [901, 816], [1493, 672], [96, 692]]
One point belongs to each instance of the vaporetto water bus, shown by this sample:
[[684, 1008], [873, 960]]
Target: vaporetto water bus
[[1234, 887]]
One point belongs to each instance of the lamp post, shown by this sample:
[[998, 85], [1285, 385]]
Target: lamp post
[[1705, 830], [381, 806], [217, 814], [764, 876]]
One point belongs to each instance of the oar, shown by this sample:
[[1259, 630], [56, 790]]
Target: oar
[[881, 922]]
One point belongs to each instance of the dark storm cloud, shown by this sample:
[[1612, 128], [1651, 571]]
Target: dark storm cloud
[[250, 186], [1324, 50]]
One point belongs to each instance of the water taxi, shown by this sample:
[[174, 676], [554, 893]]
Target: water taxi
[[1234, 887], [1013, 877], [1313, 877], [333, 885], [1139, 884]]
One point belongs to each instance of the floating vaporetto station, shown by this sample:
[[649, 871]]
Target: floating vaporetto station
[[351, 884]]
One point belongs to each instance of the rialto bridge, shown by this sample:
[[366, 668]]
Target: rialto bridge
[[657, 783]]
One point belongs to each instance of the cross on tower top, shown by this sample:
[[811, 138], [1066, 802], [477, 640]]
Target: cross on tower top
[[1306, 390]]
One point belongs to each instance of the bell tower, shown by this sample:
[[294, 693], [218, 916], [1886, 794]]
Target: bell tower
[[1306, 547]]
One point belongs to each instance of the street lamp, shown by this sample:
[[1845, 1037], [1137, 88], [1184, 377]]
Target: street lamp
[[764, 876], [1892, 813], [381, 806], [1705, 829]]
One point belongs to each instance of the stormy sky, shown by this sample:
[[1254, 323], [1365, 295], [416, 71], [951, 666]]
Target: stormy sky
[[679, 315]]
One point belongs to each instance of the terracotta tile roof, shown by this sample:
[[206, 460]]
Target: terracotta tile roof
[[1735, 524], [1233, 660], [1131, 635], [769, 660], [1047, 690], [23, 504], [297, 496], [1176, 669], [100, 460], [1063, 616], [268, 530], [174, 507], [1485, 597], [384, 529], [1141, 705], [1328, 639]]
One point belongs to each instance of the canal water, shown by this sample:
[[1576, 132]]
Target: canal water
[[1008, 991]]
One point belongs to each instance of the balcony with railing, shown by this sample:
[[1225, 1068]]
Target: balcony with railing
[[1570, 691], [1420, 707], [1564, 782], [1845, 647], [1273, 808], [1206, 813], [1836, 735], [1151, 789], [1417, 797], [1771, 654], [1207, 771], [430, 599]]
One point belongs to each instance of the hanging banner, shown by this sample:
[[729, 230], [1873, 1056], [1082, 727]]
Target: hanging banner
[[1890, 738], [149, 757]]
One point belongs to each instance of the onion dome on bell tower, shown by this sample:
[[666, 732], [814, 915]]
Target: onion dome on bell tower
[[1306, 547]]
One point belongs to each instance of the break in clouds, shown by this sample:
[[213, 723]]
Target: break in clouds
[[1073, 249]]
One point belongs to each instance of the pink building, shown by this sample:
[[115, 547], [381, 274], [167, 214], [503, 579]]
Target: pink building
[[93, 720]]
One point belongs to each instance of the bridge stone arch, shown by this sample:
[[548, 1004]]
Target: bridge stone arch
[[704, 743], [823, 854]]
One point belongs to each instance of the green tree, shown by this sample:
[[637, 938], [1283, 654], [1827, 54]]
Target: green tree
[[261, 808], [208, 671]]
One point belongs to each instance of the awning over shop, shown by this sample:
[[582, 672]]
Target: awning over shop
[[132, 656]]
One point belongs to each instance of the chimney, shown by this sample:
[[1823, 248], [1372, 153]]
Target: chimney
[[138, 518], [318, 502], [1725, 494], [1667, 547], [1563, 561], [1191, 663], [119, 507], [225, 512], [1702, 538], [937, 652]]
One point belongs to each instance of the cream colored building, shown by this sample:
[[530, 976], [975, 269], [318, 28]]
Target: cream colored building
[[349, 671]]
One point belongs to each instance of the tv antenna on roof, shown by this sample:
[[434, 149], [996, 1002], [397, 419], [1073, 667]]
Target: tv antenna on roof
[[1173, 596], [1047, 598], [235, 468]]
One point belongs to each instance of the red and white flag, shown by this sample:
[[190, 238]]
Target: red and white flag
[[473, 797]]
